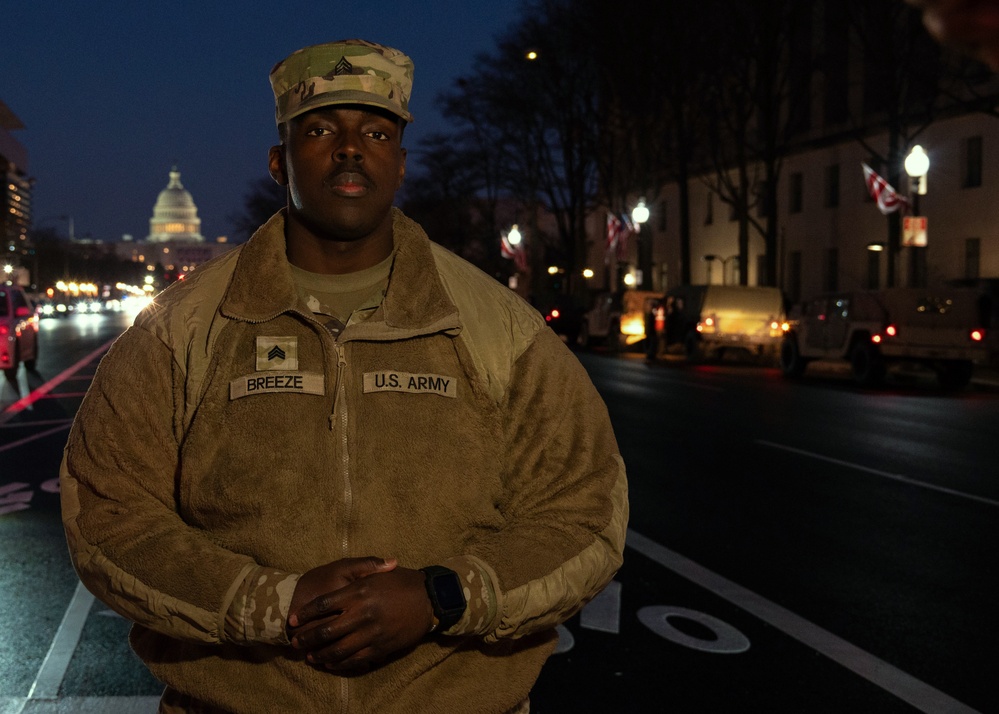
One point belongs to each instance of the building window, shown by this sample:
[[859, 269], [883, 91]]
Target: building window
[[832, 186], [972, 258], [794, 276], [873, 269], [709, 209], [832, 269], [973, 162], [796, 198]]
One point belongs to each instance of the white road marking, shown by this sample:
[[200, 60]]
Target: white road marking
[[53, 669], [893, 680], [40, 435], [726, 640], [13, 498], [883, 474], [603, 613], [25, 402]]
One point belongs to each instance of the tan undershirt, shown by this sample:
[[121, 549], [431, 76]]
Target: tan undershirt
[[345, 298]]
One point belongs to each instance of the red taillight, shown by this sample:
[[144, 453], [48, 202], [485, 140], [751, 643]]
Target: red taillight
[[876, 339], [891, 331], [977, 335], [555, 313], [4, 330]]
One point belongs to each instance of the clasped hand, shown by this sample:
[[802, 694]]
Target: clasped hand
[[351, 614]]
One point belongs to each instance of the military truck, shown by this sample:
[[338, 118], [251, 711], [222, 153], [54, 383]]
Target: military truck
[[617, 319], [709, 320], [875, 329]]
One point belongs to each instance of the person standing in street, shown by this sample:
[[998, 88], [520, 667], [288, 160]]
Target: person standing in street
[[339, 468]]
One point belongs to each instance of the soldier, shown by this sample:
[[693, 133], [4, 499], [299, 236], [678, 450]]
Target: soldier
[[339, 468]]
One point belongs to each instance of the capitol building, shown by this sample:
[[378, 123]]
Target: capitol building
[[175, 217], [175, 241]]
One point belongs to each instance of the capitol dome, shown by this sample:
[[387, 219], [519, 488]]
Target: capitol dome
[[175, 217]]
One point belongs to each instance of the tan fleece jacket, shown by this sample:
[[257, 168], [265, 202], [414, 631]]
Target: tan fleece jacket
[[229, 443]]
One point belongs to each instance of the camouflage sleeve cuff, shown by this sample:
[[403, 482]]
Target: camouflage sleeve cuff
[[258, 612], [479, 584]]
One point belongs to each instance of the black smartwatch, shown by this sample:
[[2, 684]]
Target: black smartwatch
[[446, 595]]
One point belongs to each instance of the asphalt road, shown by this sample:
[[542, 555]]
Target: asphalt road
[[794, 547]]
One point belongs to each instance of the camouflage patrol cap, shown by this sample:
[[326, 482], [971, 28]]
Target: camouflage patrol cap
[[344, 72]]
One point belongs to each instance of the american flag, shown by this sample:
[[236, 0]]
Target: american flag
[[516, 253], [619, 230], [881, 191]]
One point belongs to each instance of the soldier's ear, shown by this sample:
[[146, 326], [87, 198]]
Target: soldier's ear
[[276, 165]]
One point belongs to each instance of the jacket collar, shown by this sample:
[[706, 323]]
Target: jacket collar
[[262, 286]]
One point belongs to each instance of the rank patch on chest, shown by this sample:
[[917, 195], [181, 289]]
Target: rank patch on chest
[[294, 382], [390, 381], [277, 353]]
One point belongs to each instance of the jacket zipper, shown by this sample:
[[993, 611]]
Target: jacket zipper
[[340, 413]]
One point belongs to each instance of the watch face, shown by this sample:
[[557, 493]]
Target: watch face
[[450, 596]]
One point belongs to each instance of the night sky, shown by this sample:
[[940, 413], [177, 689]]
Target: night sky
[[112, 94]]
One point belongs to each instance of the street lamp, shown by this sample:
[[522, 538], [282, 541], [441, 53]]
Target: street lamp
[[640, 213], [917, 165], [514, 236]]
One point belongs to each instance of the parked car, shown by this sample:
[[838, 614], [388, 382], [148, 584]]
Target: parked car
[[709, 320], [873, 329], [18, 331], [564, 317], [618, 319]]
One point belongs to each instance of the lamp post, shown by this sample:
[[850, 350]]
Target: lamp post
[[640, 215], [917, 165]]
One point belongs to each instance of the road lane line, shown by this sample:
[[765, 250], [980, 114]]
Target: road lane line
[[882, 474], [39, 435], [53, 669], [24, 402], [893, 680]]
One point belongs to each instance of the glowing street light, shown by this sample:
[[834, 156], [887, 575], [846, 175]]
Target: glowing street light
[[917, 165], [640, 213], [514, 237]]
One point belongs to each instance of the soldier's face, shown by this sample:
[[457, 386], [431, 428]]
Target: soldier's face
[[342, 166]]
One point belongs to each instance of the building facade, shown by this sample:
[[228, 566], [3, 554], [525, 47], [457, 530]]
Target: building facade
[[15, 193], [830, 234]]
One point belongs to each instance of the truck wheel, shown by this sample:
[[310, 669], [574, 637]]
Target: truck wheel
[[868, 366], [955, 374], [692, 347], [792, 364]]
